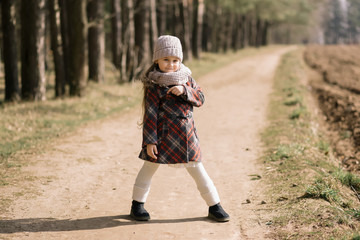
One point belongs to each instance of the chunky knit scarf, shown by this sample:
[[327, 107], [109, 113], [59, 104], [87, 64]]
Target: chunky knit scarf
[[179, 77]]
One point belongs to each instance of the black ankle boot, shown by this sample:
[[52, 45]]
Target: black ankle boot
[[218, 214], [138, 211]]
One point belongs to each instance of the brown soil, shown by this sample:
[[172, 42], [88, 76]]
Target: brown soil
[[337, 88], [84, 182]]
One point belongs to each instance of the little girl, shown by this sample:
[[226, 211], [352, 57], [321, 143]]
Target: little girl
[[169, 133]]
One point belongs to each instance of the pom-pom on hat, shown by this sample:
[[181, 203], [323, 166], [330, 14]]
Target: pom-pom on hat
[[167, 46]]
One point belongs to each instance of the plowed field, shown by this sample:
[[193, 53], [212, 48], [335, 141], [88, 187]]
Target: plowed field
[[337, 88]]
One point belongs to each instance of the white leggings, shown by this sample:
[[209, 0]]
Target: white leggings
[[204, 184]]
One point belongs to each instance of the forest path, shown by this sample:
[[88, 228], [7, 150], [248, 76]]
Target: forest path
[[86, 179]]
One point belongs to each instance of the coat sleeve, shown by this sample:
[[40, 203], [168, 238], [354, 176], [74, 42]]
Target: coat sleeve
[[193, 93], [151, 116]]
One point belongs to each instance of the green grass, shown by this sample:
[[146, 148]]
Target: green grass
[[349, 179], [317, 199], [356, 237], [323, 146], [292, 101], [324, 189]]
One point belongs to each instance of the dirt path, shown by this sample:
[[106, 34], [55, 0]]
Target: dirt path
[[86, 179]]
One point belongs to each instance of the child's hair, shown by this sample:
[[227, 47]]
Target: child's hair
[[146, 84]]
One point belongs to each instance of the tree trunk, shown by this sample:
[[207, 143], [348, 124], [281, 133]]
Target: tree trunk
[[124, 38], [161, 17], [116, 25], [220, 30], [128, 60], [264, 40], [184, 15], [76, 12], [56, 47], [258, 37], [212, 40], [131, 56], [64, 27], [32, 50], [96, 38], [206, 33], [173, 23], [197, 27], [153, 24], [288, 35], [228, 34], [12, 92], [245, 32], [142, 33], [252, 31], [238, 33], [217, 29]]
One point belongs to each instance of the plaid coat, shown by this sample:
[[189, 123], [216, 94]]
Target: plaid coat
[[169, 123]]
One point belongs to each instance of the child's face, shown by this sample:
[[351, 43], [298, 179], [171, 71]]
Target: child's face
[[168, 64]]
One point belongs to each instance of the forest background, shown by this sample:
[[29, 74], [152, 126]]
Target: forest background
[[65, 63], [74, 38]]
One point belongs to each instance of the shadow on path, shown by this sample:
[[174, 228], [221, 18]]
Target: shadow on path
[[54, 225]]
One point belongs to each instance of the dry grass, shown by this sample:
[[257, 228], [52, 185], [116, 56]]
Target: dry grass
[[307, 198]]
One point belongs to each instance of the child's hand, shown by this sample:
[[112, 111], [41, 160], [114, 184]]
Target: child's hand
[[151, 150], [176, 90]]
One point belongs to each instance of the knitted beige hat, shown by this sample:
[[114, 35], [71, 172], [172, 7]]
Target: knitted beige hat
[[167, 46]]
